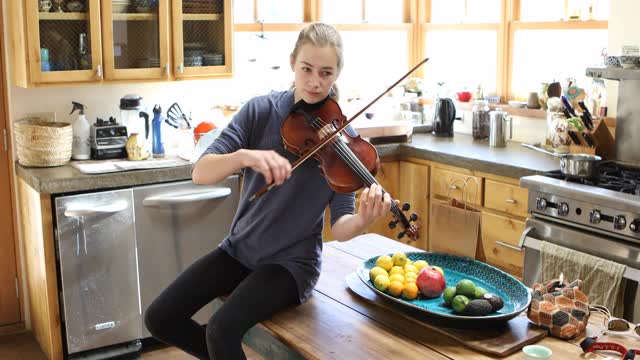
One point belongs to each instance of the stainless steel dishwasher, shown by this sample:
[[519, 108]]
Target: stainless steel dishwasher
[[177, 223], [96, 245]]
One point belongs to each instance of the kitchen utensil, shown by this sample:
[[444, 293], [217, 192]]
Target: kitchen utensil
[[177, 116], [581, 166], [567, 105], [585, 122], [515, 295], [133, 115], [587, 137], [444, 114], [587, 114], [574, 137], [498, 128]]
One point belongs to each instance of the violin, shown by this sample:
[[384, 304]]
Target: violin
[[348, 162]]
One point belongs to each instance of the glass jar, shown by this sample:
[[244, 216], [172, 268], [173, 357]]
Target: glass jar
[[480, 116]]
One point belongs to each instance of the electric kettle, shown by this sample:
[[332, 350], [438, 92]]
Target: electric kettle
[[444, 114]]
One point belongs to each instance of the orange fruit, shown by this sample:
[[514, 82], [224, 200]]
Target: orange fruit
[[395, 288], [410, 291]]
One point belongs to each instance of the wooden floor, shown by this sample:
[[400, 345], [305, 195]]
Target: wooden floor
[[24, 347]]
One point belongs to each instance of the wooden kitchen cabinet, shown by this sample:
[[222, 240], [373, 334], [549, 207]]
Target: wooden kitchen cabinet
[[500, 237], [103, 42], [413, 187], [53, 41], [446, 184]]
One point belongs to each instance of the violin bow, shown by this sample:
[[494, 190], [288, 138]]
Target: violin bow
[[328, 138]]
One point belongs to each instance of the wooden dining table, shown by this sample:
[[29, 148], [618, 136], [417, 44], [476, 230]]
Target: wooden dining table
[[336, 323]]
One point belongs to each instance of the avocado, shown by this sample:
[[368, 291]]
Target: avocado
[[477, 307], [495, 301]]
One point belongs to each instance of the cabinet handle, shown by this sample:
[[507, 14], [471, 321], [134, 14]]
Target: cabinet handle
[[167, 69], [453, 187], [509, 246], [99, 71], [181, 68], [511, 201]]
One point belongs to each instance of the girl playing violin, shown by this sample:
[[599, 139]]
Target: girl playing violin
[[271, 258]]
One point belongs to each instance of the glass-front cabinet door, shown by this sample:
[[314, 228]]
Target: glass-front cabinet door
[[202, 37], [136, 39], [64, 40]]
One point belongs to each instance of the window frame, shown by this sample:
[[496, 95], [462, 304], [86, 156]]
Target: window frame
[[417, 21]]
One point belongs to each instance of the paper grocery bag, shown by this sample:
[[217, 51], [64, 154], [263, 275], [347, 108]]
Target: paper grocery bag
[[454, 228]]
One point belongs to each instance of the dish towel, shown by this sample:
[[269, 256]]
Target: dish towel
[[601, 279]]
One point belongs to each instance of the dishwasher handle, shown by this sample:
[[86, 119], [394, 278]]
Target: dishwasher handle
[[175, 199], [117, 206]]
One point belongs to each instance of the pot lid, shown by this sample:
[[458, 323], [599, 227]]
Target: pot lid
[[131, 102]]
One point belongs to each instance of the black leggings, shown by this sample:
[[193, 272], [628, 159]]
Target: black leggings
[[254, 296]]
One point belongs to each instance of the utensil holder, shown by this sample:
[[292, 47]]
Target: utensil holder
[[602, 138]]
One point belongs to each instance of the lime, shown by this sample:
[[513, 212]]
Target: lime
[[449, 294], [466, 287], [459, 302], [479, 292]]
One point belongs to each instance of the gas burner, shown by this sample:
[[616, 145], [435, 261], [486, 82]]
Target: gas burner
[[612, 177]]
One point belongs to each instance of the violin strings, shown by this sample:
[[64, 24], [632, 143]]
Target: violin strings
[[356, 165]]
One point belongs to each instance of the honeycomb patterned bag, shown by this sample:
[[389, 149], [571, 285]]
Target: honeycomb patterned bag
[[561, 308]]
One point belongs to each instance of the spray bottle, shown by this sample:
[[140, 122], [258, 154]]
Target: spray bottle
[[157, 146], [81, 148]]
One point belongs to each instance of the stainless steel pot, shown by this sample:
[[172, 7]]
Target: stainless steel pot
[[581, 166]]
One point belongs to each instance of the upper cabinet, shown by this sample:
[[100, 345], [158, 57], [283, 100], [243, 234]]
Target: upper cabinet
[[91, 41]]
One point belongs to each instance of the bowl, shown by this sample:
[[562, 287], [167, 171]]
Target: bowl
[[463, 96], [516, 104], [119, 8], [612, 61], [75, 6], [536, 352]]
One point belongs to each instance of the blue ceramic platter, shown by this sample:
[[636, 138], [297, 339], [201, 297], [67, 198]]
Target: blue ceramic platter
[[515, 295]]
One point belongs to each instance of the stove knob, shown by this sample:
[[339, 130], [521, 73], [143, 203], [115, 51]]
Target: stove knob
[[635, 226], [541, 203], [595, 216], [619, 222], [563, 209]]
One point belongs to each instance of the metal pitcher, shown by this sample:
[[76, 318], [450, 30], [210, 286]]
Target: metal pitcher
[[498, 128]]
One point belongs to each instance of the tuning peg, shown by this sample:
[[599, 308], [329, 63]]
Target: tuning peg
[[401, 235], [406, 206], [413, 217], [392, 224]]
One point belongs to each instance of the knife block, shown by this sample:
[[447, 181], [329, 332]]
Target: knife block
[[602, 138]]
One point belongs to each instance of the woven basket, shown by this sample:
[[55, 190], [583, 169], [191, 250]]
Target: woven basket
[[43, 143]]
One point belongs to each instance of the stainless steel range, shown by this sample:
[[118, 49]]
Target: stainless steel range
[[600, 217]]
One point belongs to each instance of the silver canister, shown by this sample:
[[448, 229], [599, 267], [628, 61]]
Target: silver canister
[[498, 128]]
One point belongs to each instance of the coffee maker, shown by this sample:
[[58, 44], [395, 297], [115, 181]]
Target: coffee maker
[[444, 114]]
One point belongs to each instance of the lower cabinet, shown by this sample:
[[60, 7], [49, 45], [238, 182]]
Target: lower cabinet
[[500, 237]]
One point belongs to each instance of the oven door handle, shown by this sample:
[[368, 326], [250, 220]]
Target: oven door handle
[[175, 199], [118, 206]]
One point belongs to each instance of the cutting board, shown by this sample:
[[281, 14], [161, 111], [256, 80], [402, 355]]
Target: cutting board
[[496, 340]]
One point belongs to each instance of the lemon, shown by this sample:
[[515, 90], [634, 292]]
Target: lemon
[[409, 280], [420, 264], [399, 259], [385, 262], [410, 291], [467, 288], [395, 288], [381, 282], [410, 275], [396, 277], [396, 270], [410, 268], [409, 262], [439, 269], [375, 271]]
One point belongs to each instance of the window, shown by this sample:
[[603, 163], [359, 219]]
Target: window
[[465, 11], [362, 11]]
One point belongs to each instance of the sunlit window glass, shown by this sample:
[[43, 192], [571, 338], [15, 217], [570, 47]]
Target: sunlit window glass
[[447, 11], [483, 11], [457, 67], [532, 66], [542, 10], [342, 11], [369, 69], [383, 11], [280, 11], [243, 11]]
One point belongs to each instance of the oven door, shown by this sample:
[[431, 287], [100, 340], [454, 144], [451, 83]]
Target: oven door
[[581, 238]]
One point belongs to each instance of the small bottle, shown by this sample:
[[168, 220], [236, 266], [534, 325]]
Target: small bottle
[[81, 147], [83, 53], [480, 122]]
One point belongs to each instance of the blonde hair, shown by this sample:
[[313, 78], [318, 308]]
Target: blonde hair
[[321, 35]]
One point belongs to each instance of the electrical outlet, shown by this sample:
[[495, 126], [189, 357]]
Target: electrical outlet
[[47, 116]]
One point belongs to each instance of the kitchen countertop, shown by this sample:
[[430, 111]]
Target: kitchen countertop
[[461, 150]]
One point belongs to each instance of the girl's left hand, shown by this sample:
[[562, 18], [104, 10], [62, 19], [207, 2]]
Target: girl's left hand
[[373, 204]]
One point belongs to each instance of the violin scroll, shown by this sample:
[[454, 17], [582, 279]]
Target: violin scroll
[[409, 229]]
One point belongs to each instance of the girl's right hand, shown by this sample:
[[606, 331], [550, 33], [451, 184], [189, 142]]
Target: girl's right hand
[[273, 166]]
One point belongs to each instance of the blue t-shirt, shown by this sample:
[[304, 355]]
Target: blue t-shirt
[[283, 226]]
